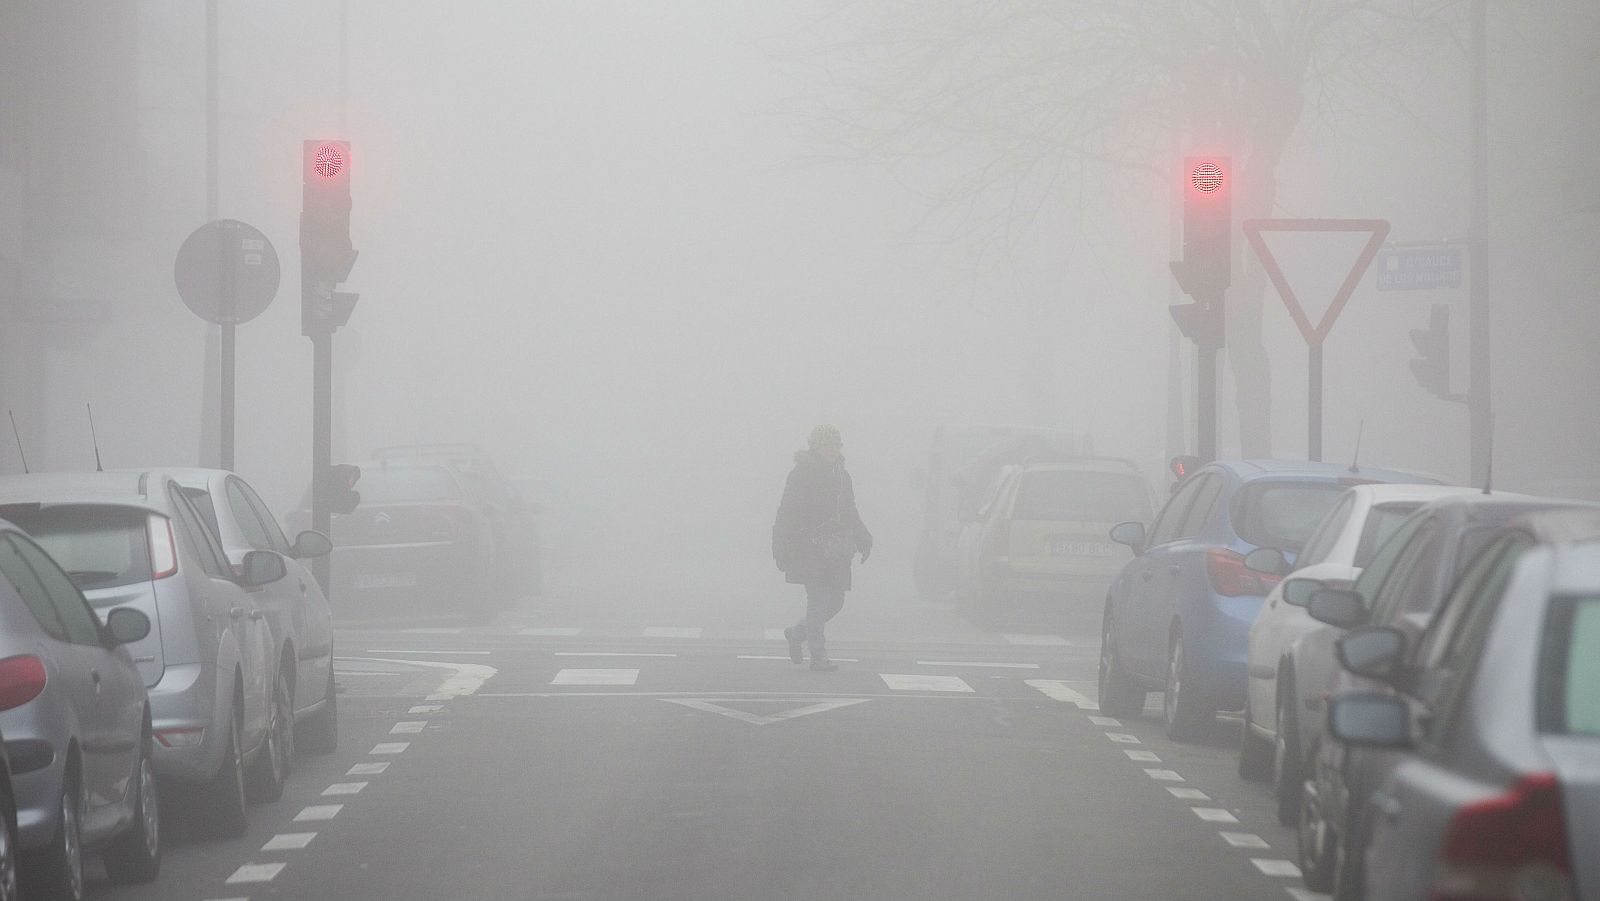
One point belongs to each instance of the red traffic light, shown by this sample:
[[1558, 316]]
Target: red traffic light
[[328, 161], [1207, 178]]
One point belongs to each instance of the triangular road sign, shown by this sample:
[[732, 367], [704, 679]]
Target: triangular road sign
[[742, 716], [1376, 229]]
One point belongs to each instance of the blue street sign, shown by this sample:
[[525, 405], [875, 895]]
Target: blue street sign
[[1418, 268]]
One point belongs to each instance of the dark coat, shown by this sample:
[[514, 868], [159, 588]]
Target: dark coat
[[817, 498]]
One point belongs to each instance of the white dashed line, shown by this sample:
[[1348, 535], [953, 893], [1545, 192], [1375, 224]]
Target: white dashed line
[[390, 747], [1056, 690], [1053, 641], [289, 841], [786, 659], [344, 788], [596, 677], [1123, 738], [454, 631], [368, 769], [1164, 775], [318, 812], [611, 654], [673, 632], [1214, 815], [1188, 794], [1244, 840], [1275, 867], [1105, 721], [426, 708], [549, 632], [907, 682], [426, 653], [1141, 756], [256, 872], [978, 665], [408, 727]]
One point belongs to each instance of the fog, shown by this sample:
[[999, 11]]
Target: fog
[[636, 250]]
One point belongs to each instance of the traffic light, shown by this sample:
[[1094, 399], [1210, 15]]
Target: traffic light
[[326, 256], [339, 487], [1432, 365], [1205, 271]]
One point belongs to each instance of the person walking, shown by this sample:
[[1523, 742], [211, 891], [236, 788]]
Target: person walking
[[815, 539]]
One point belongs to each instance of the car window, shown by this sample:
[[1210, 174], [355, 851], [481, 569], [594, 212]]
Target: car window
[[1484, 578], [1327, 533], [1166, 526], [407, 484], [1569, 668], [98, 546], [34, 595], [204, 505], [1200, 510], [197, 539], [1060, 495], [1372, 577], [276, 540], [255, 534], [1383, 520], [1282, 514], [1407, 588], [73, 612]]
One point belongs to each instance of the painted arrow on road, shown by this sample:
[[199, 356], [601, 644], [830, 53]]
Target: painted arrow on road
[[757, 720]]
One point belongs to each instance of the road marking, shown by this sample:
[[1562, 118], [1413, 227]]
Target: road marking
[[344, 788], [1164, 775], [786, 659], [897, 696], [445, 631], [1052, 641], [550, 632], [256, 872], [426, 708], [289, 841], [904, 682], [1057, 690], [758, 720], [466, 678], [612, 654], [318, 812], [1188, 794], [389, 747], [368, 769], [1214, 815], [982, 665], [408, 727], [673, 632], [1276, 867], [426, 652], [1244, 840], [1141, 756], [596, 677], [1305, 894], [341, 673], [1123, 738], [1105, 721]]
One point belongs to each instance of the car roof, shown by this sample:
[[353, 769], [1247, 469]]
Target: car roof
[[1566, 525], [126, 488], [194, 476], [1251, 469], [1499, 507], [1400, 492]]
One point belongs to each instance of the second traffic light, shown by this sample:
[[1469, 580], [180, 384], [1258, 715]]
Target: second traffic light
[[326, 255], [1205, 271], [1432, 364], [339, 487]]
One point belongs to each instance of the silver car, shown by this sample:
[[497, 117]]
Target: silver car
[[306, 713], [1496, 717], [132, 539], [77, 726]]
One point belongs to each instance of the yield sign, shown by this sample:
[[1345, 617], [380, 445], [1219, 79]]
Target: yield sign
[[1376, 229], [758, 720]]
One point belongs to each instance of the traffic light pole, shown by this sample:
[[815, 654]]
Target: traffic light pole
[[1206, 403], [226, 456], [1480, 405], [321, 445]]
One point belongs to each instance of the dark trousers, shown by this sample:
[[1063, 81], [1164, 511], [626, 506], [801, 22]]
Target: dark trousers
[[823, 602]]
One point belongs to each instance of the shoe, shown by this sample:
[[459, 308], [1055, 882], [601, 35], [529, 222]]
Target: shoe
[[823, 666], [795, 653]]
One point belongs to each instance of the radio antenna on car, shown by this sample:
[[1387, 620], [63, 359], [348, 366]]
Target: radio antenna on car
[[94, 439], [1356, 459], [20, 452]]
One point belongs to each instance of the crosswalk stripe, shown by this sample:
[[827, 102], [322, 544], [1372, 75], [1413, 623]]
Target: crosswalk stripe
[[907, 682], [1057, 690], [596, 677]]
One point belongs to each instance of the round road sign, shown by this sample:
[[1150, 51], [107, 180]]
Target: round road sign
[[227, 272]]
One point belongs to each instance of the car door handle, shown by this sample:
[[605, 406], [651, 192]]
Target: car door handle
[[236, 612], [256, 614], [1386, 804]]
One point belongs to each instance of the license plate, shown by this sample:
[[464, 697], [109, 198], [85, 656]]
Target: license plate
[[1081, 549], [386, 580]]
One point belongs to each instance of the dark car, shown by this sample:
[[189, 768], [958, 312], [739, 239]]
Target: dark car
[[1178, 616]]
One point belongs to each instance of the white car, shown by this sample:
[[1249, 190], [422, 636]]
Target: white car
[[1283, 713]]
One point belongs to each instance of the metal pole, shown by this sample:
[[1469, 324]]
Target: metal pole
[[1206, 404], [1480, 402], [211, 439], [321, 444], [1314, 404]]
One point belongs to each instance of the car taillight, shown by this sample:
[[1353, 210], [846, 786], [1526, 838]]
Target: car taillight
[[22, 678], [163, 549], [1512, 847], [1231, 578]]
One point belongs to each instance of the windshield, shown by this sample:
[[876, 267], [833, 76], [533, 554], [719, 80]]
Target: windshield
[[1382, 521], [406, 484], [1569, 696], [1283, 514], [99, 547], [1081, 496]]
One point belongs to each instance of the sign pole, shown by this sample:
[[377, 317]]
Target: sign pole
[[228, 371], [321, 445], [1314, 404]]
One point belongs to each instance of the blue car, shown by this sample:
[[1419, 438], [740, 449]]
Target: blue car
[[1177, 619]]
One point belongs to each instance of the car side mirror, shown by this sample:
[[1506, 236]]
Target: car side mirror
[[261, 568], [1374, 652], [1130, 534], [310, 544], [1268, 561], [1298, 592], [127, 625], [1337, 607], [1370, 719]]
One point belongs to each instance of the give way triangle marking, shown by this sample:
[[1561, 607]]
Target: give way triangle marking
[[758, 720], [1376, 229]]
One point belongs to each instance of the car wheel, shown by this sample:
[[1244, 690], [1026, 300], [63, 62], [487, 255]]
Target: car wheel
[[224, 797], [135, 855], [1349, 844], [1287, 766], [1182, 706], [319, 734], [1314, 838], [1255, 752], [1118, 694], [8, 846], [60, 870], [271, 767]]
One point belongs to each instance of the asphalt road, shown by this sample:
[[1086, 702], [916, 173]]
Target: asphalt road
[[549, 758]]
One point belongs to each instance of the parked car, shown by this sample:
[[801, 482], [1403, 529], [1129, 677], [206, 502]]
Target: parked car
[[305, 705], [77, 728], [1178, 616], [1494, 728], [1038, 544], [1400, 588], [8, 826], [1283, 709], [134, 540]]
